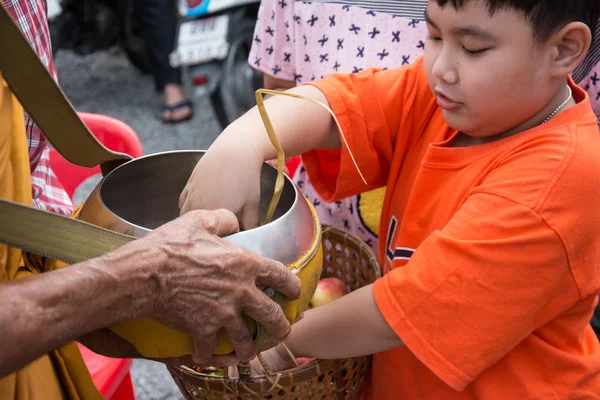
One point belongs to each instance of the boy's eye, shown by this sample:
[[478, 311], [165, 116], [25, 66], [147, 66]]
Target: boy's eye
[[434, 38], [474, 52]]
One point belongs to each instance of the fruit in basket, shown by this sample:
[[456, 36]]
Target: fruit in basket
[[301, 361], [304, 360], [214, 371], [328, 290]]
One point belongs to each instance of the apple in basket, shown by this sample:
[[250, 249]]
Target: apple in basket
[[304, 360], [328, 290]]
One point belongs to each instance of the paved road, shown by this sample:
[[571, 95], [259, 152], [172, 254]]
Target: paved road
[[105, 83]]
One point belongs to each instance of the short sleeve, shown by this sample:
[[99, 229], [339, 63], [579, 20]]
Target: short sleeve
[[477, 288], [372, 106], [272, 49]]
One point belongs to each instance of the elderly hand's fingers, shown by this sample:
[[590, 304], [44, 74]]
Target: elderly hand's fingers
[[269, 314], [225, 360], [203, 351], [241, 339], [275, 275]]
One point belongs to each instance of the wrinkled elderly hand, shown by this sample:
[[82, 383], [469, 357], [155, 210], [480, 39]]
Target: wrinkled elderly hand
[[205, 283]]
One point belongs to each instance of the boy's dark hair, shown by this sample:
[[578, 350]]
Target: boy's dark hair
[[546, 16]]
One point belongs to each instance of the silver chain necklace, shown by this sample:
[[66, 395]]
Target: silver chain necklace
[[564, 103]]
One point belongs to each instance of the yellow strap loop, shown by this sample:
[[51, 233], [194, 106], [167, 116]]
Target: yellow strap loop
[[280, 153]]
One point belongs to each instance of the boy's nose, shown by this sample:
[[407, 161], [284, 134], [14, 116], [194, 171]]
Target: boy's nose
[[444, 69]]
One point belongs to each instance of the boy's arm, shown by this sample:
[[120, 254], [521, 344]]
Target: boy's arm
[[238, 153], [270, 82], [299, 125], [355, 327], [370, 107]]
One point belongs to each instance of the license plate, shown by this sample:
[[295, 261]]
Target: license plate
[[201, 40]]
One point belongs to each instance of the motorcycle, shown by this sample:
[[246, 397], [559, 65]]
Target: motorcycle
[[86, 26], [214, 41]]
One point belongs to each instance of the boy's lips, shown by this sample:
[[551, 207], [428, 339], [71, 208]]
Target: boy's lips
[[445, 103]]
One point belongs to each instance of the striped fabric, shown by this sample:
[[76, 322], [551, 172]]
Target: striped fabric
[[47, 192], [414, 9]]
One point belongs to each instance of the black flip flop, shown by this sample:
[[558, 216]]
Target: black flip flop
[[181, 104]]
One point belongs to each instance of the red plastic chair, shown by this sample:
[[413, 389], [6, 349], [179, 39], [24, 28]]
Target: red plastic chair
[[110, 375], [114, 134], [292, 165]]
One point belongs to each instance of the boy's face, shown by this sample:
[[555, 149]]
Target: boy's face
[[488, 73]]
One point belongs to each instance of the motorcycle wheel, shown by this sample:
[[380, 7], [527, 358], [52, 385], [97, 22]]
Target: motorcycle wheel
[[62, 30], [240, 80], [55, 37], [131, 39], [136, 54]]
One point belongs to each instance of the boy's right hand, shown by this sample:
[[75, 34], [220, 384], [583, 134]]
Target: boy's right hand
[[276, 358], [227, 176]]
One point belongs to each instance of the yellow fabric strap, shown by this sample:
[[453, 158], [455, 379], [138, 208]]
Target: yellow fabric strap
[[62, 373], [54, 236]]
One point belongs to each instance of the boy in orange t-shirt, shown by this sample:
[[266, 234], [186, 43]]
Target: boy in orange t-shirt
[[490, 227]]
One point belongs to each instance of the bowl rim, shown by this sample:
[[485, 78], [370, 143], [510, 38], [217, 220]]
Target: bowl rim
[[257, 229]]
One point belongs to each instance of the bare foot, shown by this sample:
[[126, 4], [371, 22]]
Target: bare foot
[[174, 95]]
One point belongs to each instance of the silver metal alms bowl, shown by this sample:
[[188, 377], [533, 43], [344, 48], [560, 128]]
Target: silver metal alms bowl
[[143, 194]]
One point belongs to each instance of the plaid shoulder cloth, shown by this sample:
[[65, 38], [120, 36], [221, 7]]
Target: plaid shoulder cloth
[[47, 192]]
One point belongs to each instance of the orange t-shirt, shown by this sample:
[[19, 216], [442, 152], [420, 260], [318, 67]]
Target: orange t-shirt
[[492, 254]]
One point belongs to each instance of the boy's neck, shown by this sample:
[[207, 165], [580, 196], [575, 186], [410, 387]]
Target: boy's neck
[[551, 110]]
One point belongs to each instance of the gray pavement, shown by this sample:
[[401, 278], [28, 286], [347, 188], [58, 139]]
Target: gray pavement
[[105, 83]]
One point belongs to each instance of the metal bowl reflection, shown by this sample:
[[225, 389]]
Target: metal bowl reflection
[[143, 194]]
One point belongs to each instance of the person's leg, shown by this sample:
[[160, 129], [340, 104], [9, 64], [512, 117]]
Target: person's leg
[[159, 24]]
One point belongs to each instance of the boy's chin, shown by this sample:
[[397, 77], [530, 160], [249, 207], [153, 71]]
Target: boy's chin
[[457, 122]]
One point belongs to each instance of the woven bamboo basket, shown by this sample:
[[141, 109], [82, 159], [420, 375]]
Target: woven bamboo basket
[[345, 257]]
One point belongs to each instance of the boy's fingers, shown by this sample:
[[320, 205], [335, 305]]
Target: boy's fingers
[[182, 198], [250, 216], [185, 207]]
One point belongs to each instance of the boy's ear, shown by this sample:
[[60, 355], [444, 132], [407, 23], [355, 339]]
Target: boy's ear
[[570, 45]]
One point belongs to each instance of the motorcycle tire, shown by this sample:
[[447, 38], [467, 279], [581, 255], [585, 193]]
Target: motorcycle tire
[[130, 36], [135, 50], [62, 29], [240, 80], [55, 37]]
